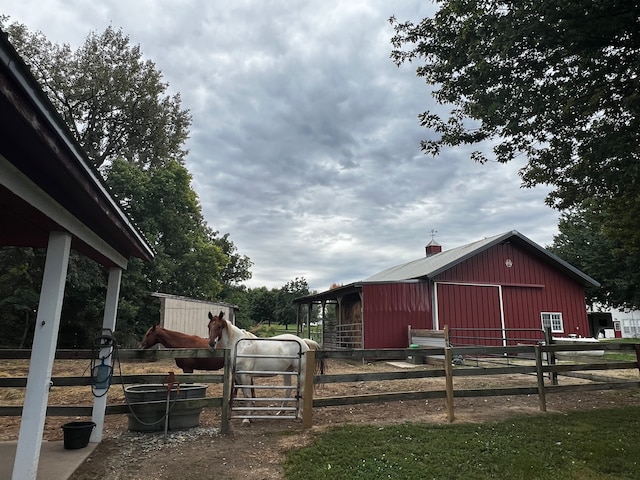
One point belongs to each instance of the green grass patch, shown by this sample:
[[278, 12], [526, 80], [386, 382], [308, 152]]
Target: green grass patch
[[628, 356], [591, 445], [274, 329], [621, 340], [620, 356]]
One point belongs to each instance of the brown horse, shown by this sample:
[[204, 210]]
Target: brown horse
[[173, 339]]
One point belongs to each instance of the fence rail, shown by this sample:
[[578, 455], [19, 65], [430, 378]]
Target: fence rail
[[545, 369]]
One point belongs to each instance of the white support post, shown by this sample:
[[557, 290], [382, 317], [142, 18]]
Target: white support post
[[34, 410], [108, 321]]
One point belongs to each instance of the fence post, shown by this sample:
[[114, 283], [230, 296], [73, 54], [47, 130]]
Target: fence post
[[448, 371], [226, 392], [307, 395], [542, 399]]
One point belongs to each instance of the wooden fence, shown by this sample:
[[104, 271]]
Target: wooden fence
[[544, 367]]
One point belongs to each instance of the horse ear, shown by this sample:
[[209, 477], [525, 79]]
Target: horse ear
[[221, 315], [210, 316]]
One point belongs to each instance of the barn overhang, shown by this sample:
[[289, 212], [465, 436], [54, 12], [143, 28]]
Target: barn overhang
[[329, 296], [47, 182], [52, 197]]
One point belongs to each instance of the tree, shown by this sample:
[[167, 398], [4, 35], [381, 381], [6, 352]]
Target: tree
[[555, 81], [582, 243], [188, 260], [115, 104], [285, 310], [21, 272], [237, 268], [113, 100], [262, 302]]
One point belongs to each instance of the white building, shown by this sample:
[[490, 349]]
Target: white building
[[188, 315], [613, 322]]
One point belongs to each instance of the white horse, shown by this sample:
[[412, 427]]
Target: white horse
[[264, 357]]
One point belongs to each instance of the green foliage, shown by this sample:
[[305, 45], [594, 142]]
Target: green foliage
[[262, 302], [276, 305], [584, 243], [83, 305], [285, 310], [265, 331], [238, 295], [554, 81], [115, 103], [20, 280], [112, 99], [597, 445]]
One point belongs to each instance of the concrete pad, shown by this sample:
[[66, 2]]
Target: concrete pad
[[402, 364], [56, 463]]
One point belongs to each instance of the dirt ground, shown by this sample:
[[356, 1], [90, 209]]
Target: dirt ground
[[257, 451]]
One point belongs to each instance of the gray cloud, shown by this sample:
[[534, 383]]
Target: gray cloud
[[305, 140]]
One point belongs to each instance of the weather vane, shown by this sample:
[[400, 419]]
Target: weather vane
[[433, 234]]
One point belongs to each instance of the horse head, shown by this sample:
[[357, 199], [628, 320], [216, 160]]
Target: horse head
[[216, 327], [150, 338]]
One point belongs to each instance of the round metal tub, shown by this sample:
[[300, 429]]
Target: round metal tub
[[148, 406]]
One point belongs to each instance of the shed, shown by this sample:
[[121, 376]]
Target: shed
[[189, 315], [51, 197], [501, 290]]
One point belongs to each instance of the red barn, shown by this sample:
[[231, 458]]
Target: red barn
[[501, 290]]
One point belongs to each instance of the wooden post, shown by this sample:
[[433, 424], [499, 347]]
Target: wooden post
[[307, 395], [226, 392], [542, 399], [448, 371]]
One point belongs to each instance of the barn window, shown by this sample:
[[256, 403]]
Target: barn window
[[553, 320]]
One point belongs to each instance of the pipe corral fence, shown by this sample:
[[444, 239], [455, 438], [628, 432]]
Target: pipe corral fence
[[542, 366]]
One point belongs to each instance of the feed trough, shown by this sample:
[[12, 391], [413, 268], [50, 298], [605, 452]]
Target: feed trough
[[148, 406]]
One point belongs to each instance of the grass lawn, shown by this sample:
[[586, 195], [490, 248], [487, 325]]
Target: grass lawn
[[587, 445]]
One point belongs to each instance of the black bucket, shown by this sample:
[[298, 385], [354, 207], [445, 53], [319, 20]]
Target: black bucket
[[76, 434]]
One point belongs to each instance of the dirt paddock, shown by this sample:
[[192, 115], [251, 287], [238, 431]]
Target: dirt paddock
[[257, 452]]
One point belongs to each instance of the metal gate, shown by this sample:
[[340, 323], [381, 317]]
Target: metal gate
[[274, 406]]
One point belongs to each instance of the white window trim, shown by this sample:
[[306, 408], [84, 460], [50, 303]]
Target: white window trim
[[550, 317]]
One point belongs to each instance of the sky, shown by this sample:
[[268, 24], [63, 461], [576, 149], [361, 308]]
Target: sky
[[305, 141]]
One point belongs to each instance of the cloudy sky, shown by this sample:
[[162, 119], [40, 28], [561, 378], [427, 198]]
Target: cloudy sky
[[305, 141]]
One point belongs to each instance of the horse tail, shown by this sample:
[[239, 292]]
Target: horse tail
[[321, 365]]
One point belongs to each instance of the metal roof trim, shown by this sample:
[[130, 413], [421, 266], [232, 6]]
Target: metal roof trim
[[432, 266]]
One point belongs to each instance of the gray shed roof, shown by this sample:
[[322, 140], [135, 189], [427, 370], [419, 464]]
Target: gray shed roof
[[431, 266]]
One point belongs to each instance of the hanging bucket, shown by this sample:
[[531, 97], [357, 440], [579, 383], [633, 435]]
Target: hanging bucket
[[76, 434]]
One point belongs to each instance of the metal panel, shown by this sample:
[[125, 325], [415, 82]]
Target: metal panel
[[473, 313], [189, 315], [390, 308], [530, 286]]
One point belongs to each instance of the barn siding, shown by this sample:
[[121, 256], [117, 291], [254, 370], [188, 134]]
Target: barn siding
[[390, 308], [473, 311], [189, 315], [529, 287]]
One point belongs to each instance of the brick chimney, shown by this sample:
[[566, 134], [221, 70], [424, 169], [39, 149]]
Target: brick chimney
[[432, 248]]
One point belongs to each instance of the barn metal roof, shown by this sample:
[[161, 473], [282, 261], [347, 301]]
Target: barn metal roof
[[429, 267], [433, 265]]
